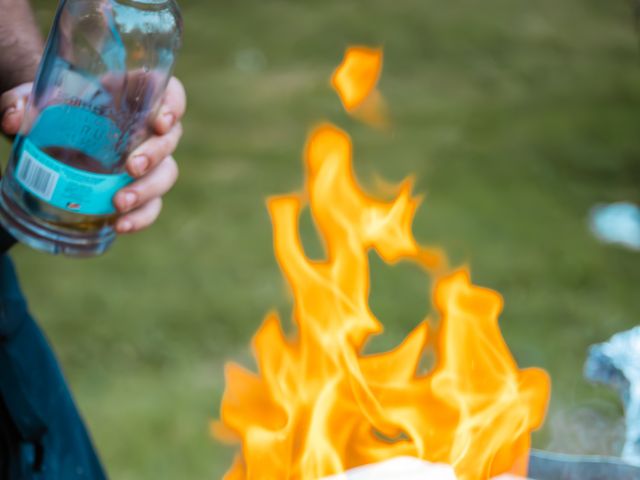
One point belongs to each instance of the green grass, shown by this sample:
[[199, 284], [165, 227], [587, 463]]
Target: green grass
[[515, 116]]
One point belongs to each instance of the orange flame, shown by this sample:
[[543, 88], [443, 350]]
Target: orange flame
[[356, 79], [357, 76], [319, 406]]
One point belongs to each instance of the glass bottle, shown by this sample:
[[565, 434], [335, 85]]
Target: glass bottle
[[102, 77]]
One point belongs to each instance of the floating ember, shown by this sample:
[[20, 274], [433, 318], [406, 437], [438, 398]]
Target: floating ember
[[319, 406], [356, 79], [357, 76]]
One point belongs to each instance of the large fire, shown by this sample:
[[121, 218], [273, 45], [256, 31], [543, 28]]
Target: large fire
[[318, 405]]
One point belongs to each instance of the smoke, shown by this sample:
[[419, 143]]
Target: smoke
[[587, 430]]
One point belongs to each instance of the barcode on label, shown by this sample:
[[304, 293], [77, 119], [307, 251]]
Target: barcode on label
[[40, 179]]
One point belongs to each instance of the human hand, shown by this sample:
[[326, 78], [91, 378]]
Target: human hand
[[151, 165], [12, 108]]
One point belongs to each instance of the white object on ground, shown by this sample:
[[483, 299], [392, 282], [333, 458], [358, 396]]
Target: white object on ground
[[617, 223], [404, 468], [617, 363], [401, 468]]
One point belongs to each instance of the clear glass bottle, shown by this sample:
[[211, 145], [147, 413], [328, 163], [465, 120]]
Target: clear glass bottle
[[104, 71]]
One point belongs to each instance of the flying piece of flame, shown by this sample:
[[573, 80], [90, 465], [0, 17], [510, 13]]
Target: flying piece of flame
[[357, 76], [319, 405], [356, 80]]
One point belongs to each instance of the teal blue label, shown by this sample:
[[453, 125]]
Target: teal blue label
[[70, 126], [66, 187]]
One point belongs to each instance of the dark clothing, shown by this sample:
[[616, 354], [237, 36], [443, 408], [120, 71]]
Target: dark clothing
[[6, 241], [42, 436]]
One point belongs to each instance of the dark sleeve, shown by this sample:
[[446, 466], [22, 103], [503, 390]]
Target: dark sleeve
[[41, 427], [6, 241]]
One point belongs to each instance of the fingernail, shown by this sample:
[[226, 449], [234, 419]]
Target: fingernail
[[10, 111], [127, 200], [140, 164], [169, 119], [125, 226], [15, 108], [6, 123]]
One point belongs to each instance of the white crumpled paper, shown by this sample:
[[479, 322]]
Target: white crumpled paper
[[404, 468]]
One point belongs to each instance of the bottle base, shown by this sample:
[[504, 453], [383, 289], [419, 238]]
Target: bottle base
[[50, 240]]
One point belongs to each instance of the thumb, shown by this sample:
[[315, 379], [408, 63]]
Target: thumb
[[12, 108]]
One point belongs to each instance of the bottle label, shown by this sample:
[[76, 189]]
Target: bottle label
[[78, 128], [84, 132], [65, 187]]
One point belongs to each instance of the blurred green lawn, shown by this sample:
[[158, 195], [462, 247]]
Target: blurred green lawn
[[515, 116]]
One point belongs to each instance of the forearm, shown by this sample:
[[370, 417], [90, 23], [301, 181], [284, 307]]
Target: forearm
[[20, 44]]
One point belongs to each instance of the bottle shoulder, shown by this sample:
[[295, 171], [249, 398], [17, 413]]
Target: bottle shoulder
[[147, 5], [98, 36], [126, 15], [165, 6]]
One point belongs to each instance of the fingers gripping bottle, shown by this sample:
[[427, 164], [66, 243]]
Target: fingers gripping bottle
[[104, 72]]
